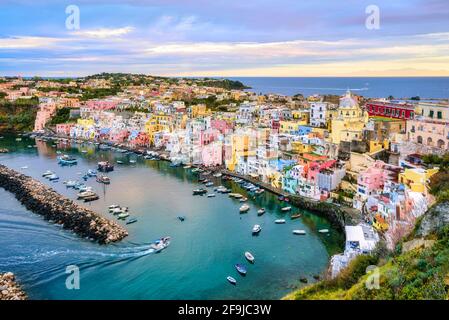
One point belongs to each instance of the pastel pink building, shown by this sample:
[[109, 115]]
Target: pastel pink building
[[312, 169], [119, 137], [141, 140], [212, 154], [101, 104], [221, 125], [372, 179], [64, 128], [45, 112], [208, 136]]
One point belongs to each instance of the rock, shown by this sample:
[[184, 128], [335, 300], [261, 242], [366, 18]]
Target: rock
[[303, 280]]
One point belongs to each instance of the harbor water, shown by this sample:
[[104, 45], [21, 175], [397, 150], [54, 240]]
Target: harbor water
[[203, 250]]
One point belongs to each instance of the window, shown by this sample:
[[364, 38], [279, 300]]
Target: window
[[439, 115], [431, 113]]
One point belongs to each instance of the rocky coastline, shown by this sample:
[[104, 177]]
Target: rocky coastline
[[56, 208], [9, 289]]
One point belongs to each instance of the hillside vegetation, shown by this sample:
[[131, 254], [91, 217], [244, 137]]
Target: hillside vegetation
[[18, 115]]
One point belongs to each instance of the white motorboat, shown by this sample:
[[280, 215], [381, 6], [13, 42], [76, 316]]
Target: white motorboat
[[299, 232], [160, 244], [279, 221], [47, 173], [244, 208], [286, 209], [323, 231], [86, 194], [256, 229], [211, 195]]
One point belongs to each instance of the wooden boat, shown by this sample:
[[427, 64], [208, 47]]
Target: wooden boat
[[299, 232], [131, 221], [249, 257], [295, 216]]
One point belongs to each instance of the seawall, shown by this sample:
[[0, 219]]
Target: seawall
[[43, 200]]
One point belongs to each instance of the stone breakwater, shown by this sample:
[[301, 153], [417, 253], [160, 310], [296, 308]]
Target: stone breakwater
[[54, 207], [9, 289]]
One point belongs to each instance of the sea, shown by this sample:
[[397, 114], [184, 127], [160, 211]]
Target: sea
[[371, 87], [204, 249]]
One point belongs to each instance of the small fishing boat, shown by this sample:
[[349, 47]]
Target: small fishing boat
[[103, 179], [53, 177], [105, 166], [160, 244], [211, 195], [113, 206], [279, 221], [66, 160], [299, 232], [285, 209], [261, 211], [295, 216], [235, 195], [323, 231], [123, 215], [91, 173], [241, 269], [209, 184], [91, 198], [199, 191], [244, 208], [243, 199], [86, 194], [117, 210], [70, 183], [181, 218], [256, 229], [47, 173], [231, 280], [249, 257], [131, 221]]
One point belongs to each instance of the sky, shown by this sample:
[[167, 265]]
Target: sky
[[225, 38]]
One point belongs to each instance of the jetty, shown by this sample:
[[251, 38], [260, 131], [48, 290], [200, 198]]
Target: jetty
[[9, 289], [45, 201]]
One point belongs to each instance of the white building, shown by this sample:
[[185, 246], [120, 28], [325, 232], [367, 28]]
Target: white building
[[318, 114]]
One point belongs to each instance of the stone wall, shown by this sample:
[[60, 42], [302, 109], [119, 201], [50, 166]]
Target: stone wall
[[43, 200]]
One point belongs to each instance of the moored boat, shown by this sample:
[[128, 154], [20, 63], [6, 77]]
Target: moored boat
[[211, 195], [256, 229], [285, 209], [86, 194], [249, 257], [131, 221], [295, 216], [244, 208], [105, 166], [66, 160], [103, 179], [47, 173], [323, 230], [231, 280], [241, 269], [123, 215], [199, 191], [279, 221], [299, 232]]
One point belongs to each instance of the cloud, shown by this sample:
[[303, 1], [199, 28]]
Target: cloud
[[104, 33], [26, 42]]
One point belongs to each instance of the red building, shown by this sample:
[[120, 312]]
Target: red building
[[390, 110]]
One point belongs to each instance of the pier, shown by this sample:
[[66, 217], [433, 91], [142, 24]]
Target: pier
[[54, 207]]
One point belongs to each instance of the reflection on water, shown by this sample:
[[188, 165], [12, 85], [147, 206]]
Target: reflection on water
[[203, 250]]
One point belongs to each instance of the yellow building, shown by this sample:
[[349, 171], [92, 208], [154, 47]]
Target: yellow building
[[199, 110], [238, 145], [158, 123], [350, 120], [416, 179], [302, 115], [299, 147], [85, 122]]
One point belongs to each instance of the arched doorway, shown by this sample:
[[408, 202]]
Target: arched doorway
[[440, 144], [419, 139], [429, 141]]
